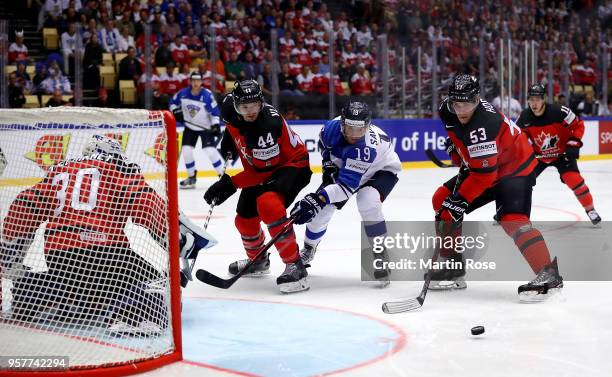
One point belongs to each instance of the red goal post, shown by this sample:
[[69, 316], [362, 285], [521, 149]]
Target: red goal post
[[112, 321]]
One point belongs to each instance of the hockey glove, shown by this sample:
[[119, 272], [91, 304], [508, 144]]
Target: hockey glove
[[306, 209], [178, 114], [450, 149], [330, 173], [228, 149], [453, 209], [215, 130], [220, 191], [572, 148]]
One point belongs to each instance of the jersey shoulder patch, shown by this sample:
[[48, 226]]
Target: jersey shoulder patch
[[567, 114]]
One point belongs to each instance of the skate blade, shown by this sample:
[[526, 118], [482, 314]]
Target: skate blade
[[447, 285], [295, 286], [190, 187], [531, 297]]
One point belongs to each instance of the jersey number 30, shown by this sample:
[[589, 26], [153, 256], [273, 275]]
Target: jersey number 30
[[75, 202]]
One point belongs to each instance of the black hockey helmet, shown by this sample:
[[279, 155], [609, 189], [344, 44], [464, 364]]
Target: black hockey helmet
[[246, 91], [356, 118], [536, 90], [464, 88]]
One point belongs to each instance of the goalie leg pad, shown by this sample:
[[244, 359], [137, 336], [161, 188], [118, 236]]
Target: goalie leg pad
[[32, 295]]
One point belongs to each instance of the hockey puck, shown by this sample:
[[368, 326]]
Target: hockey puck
[[477, 330]]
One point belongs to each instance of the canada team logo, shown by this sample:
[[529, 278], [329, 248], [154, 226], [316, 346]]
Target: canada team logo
[[49, 150], [547, 142]]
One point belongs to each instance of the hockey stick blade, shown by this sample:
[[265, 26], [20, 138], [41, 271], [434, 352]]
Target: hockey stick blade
[[395, 307], [210, 279], [430, 154]]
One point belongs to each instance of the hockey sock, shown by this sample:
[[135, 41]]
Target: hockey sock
[[576, 183], [251, 233], [189, 161], [271, 209], [315, 230], [313, 238], [370, 208], [215, 158], [438, 197], [528, 239]]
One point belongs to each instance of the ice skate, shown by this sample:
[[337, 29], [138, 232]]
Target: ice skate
[[546, 283], [260, 267], [190, 182], [307, 254], [451, 275], [294, 278], [594, 217]]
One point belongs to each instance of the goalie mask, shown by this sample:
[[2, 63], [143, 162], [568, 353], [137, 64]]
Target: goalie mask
[[356, 118], [100, 144]]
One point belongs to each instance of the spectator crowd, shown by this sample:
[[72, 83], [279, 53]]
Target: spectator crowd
[[180, 42]]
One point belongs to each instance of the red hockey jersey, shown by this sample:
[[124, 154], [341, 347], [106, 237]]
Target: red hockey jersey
[[86, 202], [490, 145], [264, 145], [550, 132]]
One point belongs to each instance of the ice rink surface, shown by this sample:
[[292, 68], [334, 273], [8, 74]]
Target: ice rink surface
[[338, 328]]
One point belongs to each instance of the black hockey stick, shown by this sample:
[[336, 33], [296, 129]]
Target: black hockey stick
[[395, 307], [430, 154], [210, 279], [186, 275]]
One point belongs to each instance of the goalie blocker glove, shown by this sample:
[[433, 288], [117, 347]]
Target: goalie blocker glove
[[220, 191]]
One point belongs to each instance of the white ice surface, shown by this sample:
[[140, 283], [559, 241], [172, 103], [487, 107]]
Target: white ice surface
[[568, 335]]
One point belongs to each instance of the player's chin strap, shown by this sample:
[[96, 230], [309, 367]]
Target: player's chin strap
[[189, 248]]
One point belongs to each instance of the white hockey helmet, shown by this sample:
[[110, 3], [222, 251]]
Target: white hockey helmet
[[100, 144]]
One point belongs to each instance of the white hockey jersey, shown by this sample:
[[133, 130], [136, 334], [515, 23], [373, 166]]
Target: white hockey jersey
[[357, 162], [199, 111]]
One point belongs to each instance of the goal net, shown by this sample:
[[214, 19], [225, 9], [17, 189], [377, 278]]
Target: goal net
[[89, 247]]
